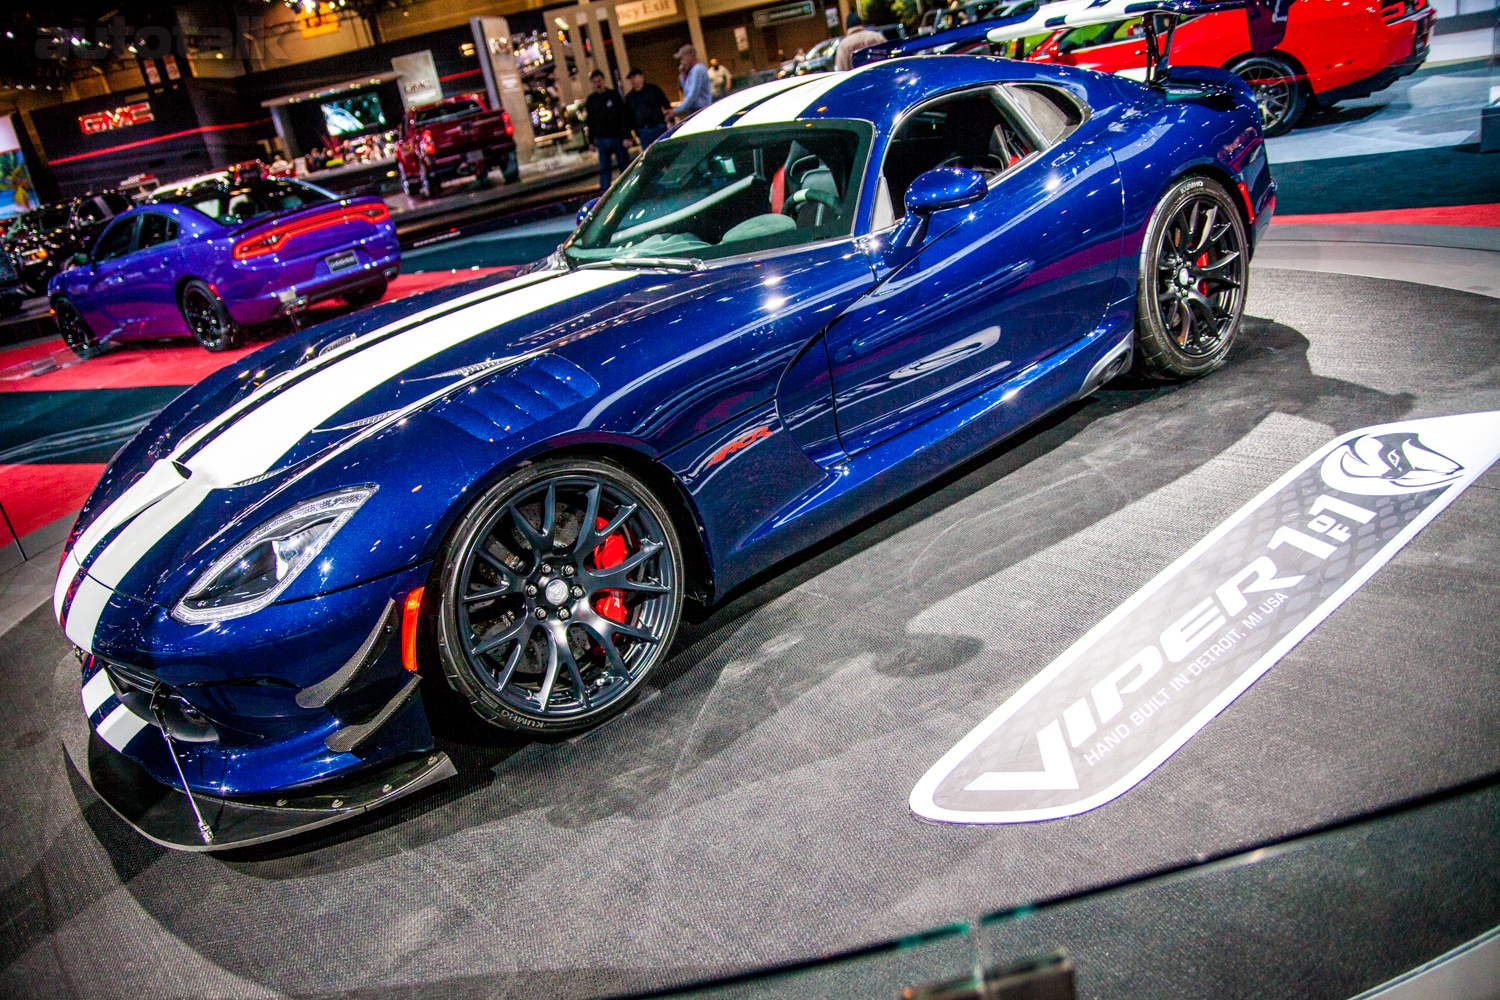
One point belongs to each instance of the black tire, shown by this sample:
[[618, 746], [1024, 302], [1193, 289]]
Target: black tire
[[482, 175], [408, 186], [511, 168], [75, 330], [1193, 274], [207, 319], [367, 295], [430, 186], [493, 579], [1279, 91]]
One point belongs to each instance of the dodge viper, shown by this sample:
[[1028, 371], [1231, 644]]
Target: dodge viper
[[805, 300]]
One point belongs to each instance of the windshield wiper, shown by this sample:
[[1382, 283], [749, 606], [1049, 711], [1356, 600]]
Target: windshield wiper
[[670, 263]]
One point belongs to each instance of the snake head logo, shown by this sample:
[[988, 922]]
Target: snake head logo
[[1388, 465]]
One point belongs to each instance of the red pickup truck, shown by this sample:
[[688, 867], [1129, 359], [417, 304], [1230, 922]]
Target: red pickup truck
[[455, 137]]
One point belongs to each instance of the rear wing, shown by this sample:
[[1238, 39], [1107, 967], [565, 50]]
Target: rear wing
[[1160, 21]]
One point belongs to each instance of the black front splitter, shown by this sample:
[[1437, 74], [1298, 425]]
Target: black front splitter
[[164, 815]]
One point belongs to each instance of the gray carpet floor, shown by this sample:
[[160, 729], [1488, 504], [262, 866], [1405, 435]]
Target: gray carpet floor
[[752, 809]]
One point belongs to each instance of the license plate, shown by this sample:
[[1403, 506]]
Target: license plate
[[340, 261], [475, 156]]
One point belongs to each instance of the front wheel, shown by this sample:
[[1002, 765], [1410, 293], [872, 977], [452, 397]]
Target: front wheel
[[1278, 90], [208, 320], [1193, 273], [75, 330], [559, 592]]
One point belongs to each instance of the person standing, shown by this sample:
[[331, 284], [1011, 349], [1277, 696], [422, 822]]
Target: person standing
[[697, 92], [646, 102], [856, 37], [609, 125], [718, 77]]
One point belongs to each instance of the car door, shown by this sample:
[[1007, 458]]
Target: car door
[[151, 276], [997, 286], [107, 303]]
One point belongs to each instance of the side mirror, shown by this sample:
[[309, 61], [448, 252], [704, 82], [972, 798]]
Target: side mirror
[[944, 187], [583, 213]]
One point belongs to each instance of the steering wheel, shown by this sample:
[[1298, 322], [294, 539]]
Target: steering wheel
[[804, 195]]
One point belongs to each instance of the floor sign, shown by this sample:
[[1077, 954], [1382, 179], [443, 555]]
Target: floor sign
[[1123, 698]]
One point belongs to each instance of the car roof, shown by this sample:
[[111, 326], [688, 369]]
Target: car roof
[[878, 92]]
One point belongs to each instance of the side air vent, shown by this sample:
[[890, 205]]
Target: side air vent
[[518, 397]]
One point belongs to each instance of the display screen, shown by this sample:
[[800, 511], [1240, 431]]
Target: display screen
[[350, 115]]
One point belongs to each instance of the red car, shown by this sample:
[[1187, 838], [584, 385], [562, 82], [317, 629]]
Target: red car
[[454, 137], [1332, 51]]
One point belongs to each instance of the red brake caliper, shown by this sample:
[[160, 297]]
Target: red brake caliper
[[610, 603], [1203, 285]]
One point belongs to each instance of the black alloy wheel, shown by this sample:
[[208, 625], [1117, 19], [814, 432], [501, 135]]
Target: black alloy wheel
[[208, 320], [1278, 91], [1193, 274], [560, 591], [74, 329]]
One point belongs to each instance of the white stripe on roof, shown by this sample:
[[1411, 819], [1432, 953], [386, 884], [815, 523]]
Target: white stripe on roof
[[787, 107], [721, 111]]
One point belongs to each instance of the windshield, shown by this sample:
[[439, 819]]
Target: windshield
[[442, 112], [731, 191], [233, 204], [43, 220]]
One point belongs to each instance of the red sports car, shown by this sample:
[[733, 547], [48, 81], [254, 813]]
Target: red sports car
[[1332, 51]]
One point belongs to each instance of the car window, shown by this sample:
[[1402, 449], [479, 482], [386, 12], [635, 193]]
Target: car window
[[439, 112], [731, 191], [116, 240], [1100, 34], [1054, 113], [89, 210], [970, 130], [234, 204], [115, 203], [156, 229]]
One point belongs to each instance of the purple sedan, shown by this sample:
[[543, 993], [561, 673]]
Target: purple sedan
[[213, 256]]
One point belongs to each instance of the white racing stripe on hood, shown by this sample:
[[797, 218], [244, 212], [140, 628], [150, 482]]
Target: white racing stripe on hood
[[251, 445], [722, 110], [787, 107]]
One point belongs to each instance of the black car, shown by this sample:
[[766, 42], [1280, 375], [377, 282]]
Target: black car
[[13, 293], [41, 241]]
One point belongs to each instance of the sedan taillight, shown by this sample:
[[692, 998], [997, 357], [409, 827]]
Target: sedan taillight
[[509, 128], [272, 240], [428, 146]]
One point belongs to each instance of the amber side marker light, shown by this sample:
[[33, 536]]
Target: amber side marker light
[[409, 629]]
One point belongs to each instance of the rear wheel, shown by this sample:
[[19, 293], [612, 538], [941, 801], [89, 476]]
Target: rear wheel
[[74, 329], [560, 591], [511, 168], [1193, 273], [1278, 90], [366, 295], [431, 186], [208, 320]]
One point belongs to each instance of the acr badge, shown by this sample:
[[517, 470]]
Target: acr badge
[[1123, 698]]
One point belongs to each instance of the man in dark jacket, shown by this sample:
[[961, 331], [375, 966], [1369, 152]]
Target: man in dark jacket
[[647, 104], [609, 125]]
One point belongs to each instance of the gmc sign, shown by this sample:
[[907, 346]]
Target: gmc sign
[[104, 121]]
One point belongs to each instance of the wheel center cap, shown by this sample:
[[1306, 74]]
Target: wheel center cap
[[556, 592], [1184, 278]]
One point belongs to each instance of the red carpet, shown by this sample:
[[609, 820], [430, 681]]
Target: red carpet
[[37, 495], [34, 495], [1452, 215]]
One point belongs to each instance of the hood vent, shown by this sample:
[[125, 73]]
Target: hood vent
[[518, 397]]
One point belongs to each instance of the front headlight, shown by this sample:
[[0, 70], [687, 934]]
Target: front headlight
[[252, 574]]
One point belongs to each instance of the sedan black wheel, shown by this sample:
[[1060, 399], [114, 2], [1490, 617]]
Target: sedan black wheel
[[1278, 91], [1194, 268], [208, 320], [74, 329], [561, 590]]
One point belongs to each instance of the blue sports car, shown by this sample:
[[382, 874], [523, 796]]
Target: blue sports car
[[806, 300], [211, 256]]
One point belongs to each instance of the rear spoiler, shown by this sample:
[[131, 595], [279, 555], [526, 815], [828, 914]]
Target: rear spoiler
[[1161, 17]]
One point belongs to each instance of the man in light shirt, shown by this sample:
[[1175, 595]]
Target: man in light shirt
[[697, 92], [718, 76], [856, 37]]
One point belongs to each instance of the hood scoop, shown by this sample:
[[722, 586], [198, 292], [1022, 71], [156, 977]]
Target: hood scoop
[[518, 397]]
